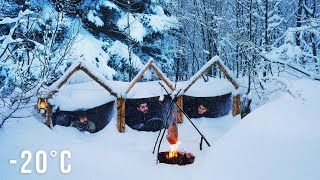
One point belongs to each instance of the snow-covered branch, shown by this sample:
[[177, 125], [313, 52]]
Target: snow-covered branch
[[269, 58]]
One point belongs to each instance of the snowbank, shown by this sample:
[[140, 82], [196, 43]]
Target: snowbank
[[277, 141]]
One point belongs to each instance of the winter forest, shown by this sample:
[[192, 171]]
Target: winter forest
[[159, 89], [263, 42]]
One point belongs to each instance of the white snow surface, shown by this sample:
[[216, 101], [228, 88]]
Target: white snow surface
[[214, 87], [279, 140], [107, 3]]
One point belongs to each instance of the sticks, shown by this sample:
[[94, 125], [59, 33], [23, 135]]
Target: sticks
[[165, 124], [174, 100], [204, 138]]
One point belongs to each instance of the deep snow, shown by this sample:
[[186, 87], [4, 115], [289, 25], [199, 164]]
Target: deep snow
[[279, 140]]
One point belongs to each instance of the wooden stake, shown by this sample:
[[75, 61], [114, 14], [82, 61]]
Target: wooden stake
[[121, 114], [180, 113], [236, 105], [48, 116]]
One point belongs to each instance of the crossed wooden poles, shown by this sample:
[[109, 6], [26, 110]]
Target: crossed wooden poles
[[174, 105]]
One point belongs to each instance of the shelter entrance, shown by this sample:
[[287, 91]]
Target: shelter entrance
[[146, 114], [209, 107], [100, 116]]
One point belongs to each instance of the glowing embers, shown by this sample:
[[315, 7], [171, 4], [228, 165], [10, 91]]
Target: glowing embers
[[180, 158], [173, 156]]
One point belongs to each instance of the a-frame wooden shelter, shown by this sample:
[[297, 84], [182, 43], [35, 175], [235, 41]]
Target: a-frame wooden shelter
[[227, 73], [121, 101], [88, 69]]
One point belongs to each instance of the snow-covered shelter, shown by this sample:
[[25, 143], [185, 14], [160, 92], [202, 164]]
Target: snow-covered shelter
[[218, 95], [99, 99], [150, 92], [95, 98]]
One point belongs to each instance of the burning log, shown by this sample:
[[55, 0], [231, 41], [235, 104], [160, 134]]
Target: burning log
[[181, 159]]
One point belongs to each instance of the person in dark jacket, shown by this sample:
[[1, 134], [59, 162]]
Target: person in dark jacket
[[143, 120], [83, 124], [201, 111]]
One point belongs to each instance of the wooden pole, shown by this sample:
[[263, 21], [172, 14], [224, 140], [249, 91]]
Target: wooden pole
[[195, 79], [224, 71], [236, 105], [138, 77], [161, 76], [121, 114], [68, 76], [48, 116], [180, 113]]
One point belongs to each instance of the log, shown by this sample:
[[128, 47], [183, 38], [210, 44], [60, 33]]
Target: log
[[121, 114], [48, 116], [68, 76], [236, 105], [98, 81], [138, 76], [180, 113], [224, 71], [161, 76]]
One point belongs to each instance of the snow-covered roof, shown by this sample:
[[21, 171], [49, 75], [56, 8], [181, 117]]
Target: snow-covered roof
[[92, 72], [81, 96], [225, 70], [214, 87], [90, 94], [147, 89], [100, 91], [160, 74]]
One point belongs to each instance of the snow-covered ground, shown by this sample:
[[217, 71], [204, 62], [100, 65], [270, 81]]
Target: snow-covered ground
[[279, 140]]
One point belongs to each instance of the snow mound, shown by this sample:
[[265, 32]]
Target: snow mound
[[276, 141]]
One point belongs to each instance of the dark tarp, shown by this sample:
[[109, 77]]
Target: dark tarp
[[151, 121], [100, 116], [217, 106]]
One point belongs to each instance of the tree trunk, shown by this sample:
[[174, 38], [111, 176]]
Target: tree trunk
[[299, 18]]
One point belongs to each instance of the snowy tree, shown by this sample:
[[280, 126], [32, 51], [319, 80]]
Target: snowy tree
[[142, 26], [34, 51]]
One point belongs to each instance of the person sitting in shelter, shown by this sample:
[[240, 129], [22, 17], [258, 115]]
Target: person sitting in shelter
[[83, 124], [201, 111], [143, 120]]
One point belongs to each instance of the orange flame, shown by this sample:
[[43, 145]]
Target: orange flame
[[173, 151]]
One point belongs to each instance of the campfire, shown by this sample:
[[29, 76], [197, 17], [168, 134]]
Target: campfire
[[173, 156]]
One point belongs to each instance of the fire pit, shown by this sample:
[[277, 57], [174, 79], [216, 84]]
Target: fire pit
[[181, 158]]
